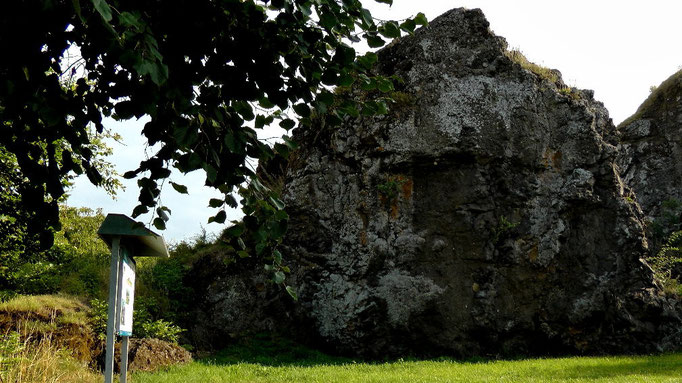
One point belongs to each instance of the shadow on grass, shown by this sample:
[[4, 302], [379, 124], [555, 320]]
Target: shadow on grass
[[272, 350], [276, 351]]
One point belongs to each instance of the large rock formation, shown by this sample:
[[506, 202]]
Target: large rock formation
[[483, 215], [651, 149]]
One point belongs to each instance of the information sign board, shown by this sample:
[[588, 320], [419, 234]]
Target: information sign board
[[124, 325]]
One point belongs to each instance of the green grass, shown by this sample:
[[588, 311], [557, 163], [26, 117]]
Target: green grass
[[546, 73], [50, 309], [266, 358]]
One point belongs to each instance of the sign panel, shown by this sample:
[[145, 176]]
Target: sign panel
[[124, 322]]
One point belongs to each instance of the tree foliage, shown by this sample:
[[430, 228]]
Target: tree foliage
[[76, 264], [208, 73]]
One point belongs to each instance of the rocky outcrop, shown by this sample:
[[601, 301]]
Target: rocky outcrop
[[149, 354], [484, 215], [650, 153]]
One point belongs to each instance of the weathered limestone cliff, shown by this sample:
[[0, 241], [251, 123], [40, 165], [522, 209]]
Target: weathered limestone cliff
[[483, 215]]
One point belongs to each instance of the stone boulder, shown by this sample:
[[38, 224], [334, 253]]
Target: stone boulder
[[484, 215]]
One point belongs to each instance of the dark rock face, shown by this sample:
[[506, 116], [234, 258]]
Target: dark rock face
[[233, 299], [650, 148], [484, 215], [487, 216]]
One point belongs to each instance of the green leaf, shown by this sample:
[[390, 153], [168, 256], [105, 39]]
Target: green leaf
[[375, 41], [161, 212], [305, 9], [139, 210], [328, 20], [260, 247], [369, 109], [281, 215], [344, 55], [182, 189], [367, 60], [282, 149], [290, 143], [420, 19], [260, 122], [231, 142], [408, 26], [381, 107], [384, 85], [244, 109], [77, 9], [348, 108], [211, 173], [159, 223], [366, 16], [103, 9], [277, 256], [279, 277], [292, 292], [129, 20], [243, 254], [390, 30], [214, 202], [218, 218], [326, 98], [234, 231], [287, 124], [344, 80], [231, 202], [278, 229], [302, 110], [277, 202], [266, 103]]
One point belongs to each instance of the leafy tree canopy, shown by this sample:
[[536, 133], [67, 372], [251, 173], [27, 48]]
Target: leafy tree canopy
[[208, 73]]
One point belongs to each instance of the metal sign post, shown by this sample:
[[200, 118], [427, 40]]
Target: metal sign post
[[111, 311], [126, 238]]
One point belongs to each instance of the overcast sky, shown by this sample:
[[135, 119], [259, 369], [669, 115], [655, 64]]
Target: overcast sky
[[617, 48]]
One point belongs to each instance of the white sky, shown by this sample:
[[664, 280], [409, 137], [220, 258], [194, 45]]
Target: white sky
[[617, 48]]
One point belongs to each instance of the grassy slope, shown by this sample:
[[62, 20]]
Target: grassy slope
[[45, 338], [665, 368], [668, 90]]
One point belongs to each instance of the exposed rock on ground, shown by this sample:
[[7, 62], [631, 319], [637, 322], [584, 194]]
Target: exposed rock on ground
[[484, 215], [147, 354]]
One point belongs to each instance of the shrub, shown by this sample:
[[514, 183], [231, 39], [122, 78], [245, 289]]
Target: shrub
[[666, 260], [10, 347], [160, 329], [144, 324], [98, 318]]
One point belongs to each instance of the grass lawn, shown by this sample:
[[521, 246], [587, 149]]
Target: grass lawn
[[249, 364]]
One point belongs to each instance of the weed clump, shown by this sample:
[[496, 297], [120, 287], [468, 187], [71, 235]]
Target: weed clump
[[551, 75]]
